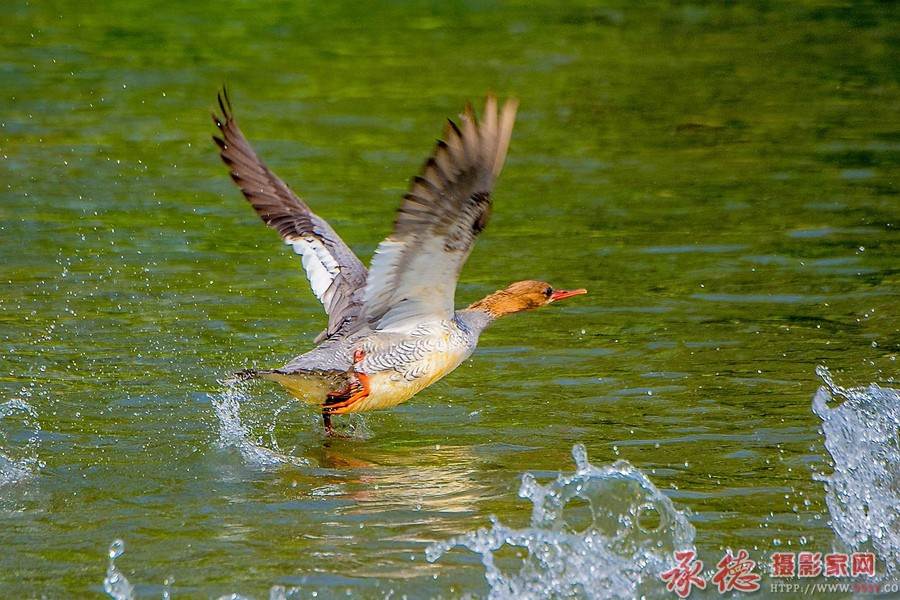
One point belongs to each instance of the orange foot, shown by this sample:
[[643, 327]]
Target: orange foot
[[356, 390]]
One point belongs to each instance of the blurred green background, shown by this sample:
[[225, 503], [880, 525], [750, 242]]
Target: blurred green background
[[720, 176]]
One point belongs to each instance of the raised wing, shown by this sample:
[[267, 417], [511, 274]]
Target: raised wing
[[414, 271], [336, 275]]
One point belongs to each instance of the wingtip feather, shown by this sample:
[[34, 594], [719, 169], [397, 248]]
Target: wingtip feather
[[504, 133]]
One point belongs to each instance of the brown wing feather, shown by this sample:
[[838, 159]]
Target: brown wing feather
[[335, 273], [414, 272]]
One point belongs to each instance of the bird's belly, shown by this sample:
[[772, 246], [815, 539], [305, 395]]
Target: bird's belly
[[390, 387], [395, 371]]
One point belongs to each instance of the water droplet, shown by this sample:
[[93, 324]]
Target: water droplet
[[579, 453], [116, 549]]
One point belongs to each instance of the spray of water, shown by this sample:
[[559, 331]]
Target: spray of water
[[19, 437], [863, 491], [115, 584], [633, 533], [257, 450]]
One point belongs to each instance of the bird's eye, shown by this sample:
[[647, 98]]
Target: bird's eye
[[548, 292]]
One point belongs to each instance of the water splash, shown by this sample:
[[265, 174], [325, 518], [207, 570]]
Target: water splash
[[633, 532], [234, 433], [863, 492], [19, 436], [115, 584]]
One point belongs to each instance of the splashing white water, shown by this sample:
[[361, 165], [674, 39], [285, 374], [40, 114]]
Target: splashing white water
[[19, 437], [863, 492], [633, 534], [233, 433], [115, 584]]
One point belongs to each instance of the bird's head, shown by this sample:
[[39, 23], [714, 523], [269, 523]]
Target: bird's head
[[522, 296]]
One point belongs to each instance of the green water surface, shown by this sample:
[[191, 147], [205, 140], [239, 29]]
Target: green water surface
[[721, 177]]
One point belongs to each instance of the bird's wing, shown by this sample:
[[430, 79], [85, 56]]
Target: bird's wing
[[414, 271], [336, 275]]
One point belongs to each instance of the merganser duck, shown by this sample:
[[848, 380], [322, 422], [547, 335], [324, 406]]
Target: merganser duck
[[392, 329]]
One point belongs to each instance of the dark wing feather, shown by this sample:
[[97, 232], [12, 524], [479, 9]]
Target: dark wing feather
[[336, 275], [414, 272]]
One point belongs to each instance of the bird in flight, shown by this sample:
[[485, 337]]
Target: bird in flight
[[393, 329]]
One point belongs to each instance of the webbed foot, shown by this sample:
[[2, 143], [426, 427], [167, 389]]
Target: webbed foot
[[356, 390]]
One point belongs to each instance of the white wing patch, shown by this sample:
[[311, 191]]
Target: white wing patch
[[320, 266], [421, 289]]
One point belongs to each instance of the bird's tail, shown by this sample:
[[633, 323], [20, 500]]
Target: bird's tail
[[241, 376]]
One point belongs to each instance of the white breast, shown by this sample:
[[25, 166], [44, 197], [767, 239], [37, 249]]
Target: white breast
[[399, 366]]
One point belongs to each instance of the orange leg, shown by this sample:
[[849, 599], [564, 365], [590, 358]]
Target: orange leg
[[358, 355], [356, 390], [361, 385]]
